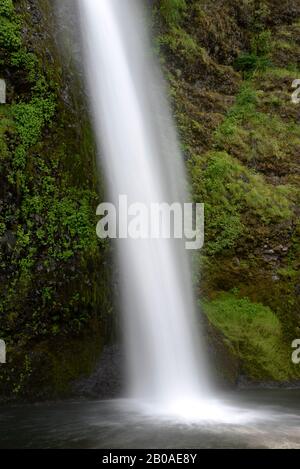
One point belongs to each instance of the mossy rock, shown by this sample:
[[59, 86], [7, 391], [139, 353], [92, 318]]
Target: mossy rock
[[55, 273], [256, 336]]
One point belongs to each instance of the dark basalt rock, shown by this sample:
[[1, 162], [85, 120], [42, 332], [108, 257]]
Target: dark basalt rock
[[107, 380]]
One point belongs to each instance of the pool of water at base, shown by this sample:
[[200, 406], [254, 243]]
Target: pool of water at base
[[243, 419]]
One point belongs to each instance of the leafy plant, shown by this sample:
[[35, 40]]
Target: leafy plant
[[171, 10], [249, 63]]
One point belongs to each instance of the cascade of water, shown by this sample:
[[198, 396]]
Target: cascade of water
[[142, 160]]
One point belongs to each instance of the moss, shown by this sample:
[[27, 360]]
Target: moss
[[258, 59], [10, 38], [7, 8], [50, 256], [180, 42], [232, 194], [240, 135], [48, 369], [255, 335], [171, 10], [259, 138]]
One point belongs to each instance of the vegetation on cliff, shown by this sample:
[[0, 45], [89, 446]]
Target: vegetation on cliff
[[54, 283], [230, 66]]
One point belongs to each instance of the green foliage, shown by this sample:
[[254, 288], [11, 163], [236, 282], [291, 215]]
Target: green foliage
[[28, 61], [232, 194], [255, 335], [287, 272], [31, 118], [9, 34], [261, 44], [243, 165], [291, 73], [50, 284], [61, 223], [260, 13], [243, 110], [255, 137], [245, 103], [258, 59], [179, 41], [48, 218], [250, 63], [222, 219], [6, 8], [171, 10], [10, 37]]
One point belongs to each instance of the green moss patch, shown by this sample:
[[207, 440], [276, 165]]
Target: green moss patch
[[232, 194], [53, 278], [255, 334]]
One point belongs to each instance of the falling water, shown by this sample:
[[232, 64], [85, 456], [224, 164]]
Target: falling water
[[142, 160]]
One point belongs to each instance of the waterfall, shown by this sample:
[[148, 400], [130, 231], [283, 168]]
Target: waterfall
[[141, 159]]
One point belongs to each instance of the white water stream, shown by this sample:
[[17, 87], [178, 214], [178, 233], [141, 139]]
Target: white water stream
[[142, 160]]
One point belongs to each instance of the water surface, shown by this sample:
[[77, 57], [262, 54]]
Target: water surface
[[252, 419]]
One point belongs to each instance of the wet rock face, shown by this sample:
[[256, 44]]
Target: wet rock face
[[107, 381], [199, 53], [222, 361], [54, 304]]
